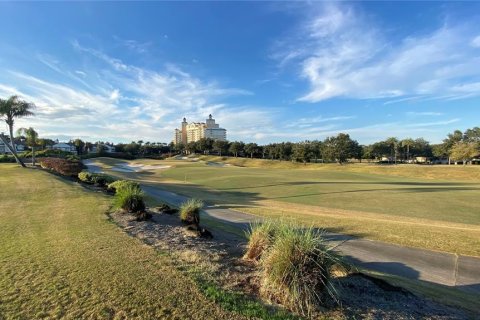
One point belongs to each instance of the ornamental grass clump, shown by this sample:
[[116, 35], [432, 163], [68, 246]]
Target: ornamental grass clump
[[297, 269], [122, 184], [261, 236], [130, 199], [190, 211], [85, 176]]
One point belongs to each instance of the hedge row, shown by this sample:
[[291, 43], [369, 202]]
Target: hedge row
[[69, 168]]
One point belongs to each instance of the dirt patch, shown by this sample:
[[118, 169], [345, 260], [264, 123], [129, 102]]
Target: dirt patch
[[220, 258]]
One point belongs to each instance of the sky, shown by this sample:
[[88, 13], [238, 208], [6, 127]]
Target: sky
[[266, 71]]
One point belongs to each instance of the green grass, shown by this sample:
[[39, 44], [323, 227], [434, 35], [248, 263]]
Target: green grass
[[60, 257], [432, 207]]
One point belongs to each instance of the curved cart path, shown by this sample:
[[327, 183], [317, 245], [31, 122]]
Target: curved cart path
[[443, 268]]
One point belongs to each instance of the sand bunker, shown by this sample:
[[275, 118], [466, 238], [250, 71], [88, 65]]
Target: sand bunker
[[137, 167], [218, 164]]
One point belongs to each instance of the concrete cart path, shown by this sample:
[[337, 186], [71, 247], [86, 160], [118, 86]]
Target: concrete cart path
[[443, 268], [438, 267]]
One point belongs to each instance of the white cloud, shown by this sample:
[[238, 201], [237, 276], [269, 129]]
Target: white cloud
[[83, 74], [136, 46], [123, 102], [476, 42], [426, 113], [341, 53]]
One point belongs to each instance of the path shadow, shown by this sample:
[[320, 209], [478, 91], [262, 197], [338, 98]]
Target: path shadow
[[399, 183]]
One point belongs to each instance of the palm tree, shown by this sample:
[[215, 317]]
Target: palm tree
[[393, 144], [32, 139], [408, 143], [11, 109]]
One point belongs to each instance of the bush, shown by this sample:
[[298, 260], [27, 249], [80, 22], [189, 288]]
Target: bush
[[85, 176], [190, 211], [297, 268], [122, 184], [72, 157], [98, 179], [64, 167], [4, 158], [260, 238], [50, 153], [102, 180], [130, 199]]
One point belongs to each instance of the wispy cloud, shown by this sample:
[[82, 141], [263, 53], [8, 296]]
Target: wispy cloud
[[342, 53], [308, 122], [426, 113], [133, 45], [123, 101]]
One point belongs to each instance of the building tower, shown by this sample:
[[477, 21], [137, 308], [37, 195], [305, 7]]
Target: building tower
[[184, 131]]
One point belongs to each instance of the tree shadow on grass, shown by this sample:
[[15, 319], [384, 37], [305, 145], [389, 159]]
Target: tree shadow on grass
[[400, 190], [400, 183]]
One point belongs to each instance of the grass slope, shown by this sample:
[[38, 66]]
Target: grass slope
[[61, 258], [432, 207]]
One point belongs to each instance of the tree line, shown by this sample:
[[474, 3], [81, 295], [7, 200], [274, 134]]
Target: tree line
[[457, 146]]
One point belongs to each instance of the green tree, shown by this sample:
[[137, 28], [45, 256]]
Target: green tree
[[407, 144], [11, 109], [251, 149], [236, 147], [440, 151], [192, 147], [79, 145], [205, 145], [451, 140], [472, 135], [340, 148], [393, 145], [221, 147], [464, 151], [303, 152], [31, 138]]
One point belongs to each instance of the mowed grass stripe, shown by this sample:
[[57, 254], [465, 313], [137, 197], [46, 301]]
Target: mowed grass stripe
[[61, 258]]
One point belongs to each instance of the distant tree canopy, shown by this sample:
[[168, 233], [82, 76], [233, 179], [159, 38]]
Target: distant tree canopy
[[340, 148]]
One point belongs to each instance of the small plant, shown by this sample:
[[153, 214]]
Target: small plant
[[85, 176], [101, 180], [190, 211], [260, 238], [122, 184], [130, 199], [4, 159], [297, 269]]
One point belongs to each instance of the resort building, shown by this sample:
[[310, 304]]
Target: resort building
[[194, 131]]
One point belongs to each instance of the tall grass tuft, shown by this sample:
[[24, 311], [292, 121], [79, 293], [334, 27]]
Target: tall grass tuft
[[122, 184], [190, 211], [261, 236], [130, 198], [297, 268]]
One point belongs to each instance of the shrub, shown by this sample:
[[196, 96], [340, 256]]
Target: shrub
[[297, 269], [49, 153], [72, 157], [190, 211], [4, 158], [85, 176], [121, 184], [64, 167], [260, 237], [102, 180], [130, 199], [98, 179]]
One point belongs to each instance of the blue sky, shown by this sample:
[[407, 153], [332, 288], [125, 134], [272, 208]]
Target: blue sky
[[267, 71]]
